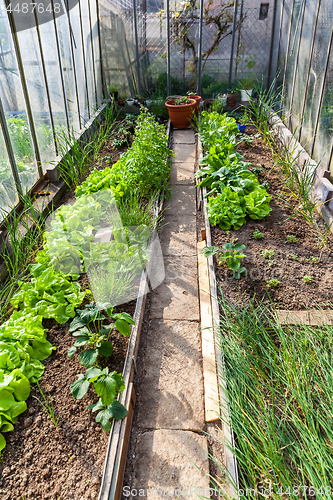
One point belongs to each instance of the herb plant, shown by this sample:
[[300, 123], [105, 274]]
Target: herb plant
[[257, 235], [307, 279], [267, 254], [291, 238], [232, 257], [272, 283]]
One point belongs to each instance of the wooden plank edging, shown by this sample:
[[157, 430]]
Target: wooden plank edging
[[211, 392]]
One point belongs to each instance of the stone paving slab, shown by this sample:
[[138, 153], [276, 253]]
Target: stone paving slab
[[183, 136], [184, 152], [177, 297], [182, 201], [179, 235], [171, 393], [171, 460], [182, 173]]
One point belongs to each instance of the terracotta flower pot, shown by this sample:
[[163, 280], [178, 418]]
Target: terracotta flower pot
[[232, 99], [197, 99], [180, 114], [121, 102]]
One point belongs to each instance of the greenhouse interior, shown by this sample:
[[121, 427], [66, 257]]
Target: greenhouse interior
[[166, 211]]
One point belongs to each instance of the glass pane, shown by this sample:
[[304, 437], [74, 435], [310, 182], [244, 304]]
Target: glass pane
[[79, 63], [8, 193], [303, 62], [95, 42], [53, 76], [292, 55], [88, 55], [33, 70], [284, 36], [15, 109], [317, 74], [68, 72]]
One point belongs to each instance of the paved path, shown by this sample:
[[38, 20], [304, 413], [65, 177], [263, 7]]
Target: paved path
[[170, 446]]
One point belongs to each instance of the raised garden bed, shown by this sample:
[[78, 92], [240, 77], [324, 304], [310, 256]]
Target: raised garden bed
[[47, 461], [307, 256]]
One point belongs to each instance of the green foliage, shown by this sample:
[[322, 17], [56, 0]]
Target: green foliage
[[267, 254], [49, 293], [257, 235], [236, 189], [232, 257], [92, 334], [225, 210], [312, 259], [293, 256], [273, 283], [143, 168], [307, 279], [291, 238], [279, 391], [48, 406]]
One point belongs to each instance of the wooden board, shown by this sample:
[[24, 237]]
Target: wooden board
[[311, 317], [211, 393]]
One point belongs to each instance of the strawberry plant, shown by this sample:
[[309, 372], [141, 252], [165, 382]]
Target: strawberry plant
[[107, 386], [90, 331], [232, 257]]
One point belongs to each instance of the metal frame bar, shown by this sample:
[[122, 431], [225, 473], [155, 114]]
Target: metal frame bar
[[84, 59], [92, 53], [46, 84], [301, 15], [233, 42], [309, 70], [168, 46], [239, 37], [136, 45], [273, 46], [60, 67], [24, 88], [329, 50], [200, 48], [10, 151]]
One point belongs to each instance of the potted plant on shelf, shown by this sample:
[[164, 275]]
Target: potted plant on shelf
[[232, 96], [246, 87], [121, 99], [130, 101], [138, 99], [181, 111], [113, 89], [243, 122]]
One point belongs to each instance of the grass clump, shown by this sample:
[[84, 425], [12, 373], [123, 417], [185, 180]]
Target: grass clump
[[280, 390]]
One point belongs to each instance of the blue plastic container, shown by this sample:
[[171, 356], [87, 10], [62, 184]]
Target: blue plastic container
[[241, 128]]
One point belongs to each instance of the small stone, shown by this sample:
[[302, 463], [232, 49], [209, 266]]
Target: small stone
[[28, 422], [6, 472], [31, 410], [79, 428], [38, 420], [46, 472]]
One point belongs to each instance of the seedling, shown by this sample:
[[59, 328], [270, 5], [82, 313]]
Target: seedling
[[267, 254], [266, 184], [291, 238], [257, 170], [257, 235], [273, 283], [307, 279], [232, 257], [48, 406], [271, 263], [293, 256], [312, 259]]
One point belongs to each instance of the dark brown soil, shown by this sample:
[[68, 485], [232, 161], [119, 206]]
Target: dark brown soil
[[292, 293], [42, 461]]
